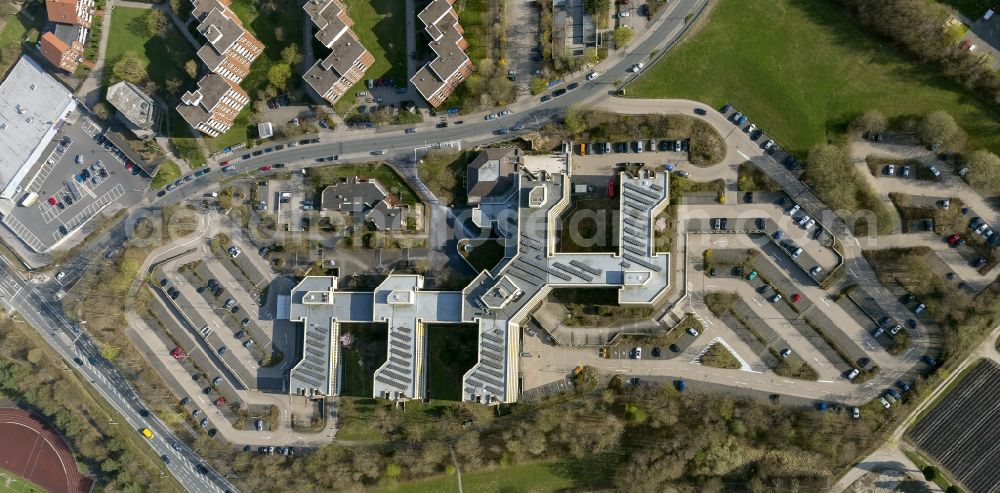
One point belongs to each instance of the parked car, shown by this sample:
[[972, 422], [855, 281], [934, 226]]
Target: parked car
[[786, 352], [692, 331]]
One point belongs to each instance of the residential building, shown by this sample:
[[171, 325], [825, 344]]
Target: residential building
[[33, 105], [492, 174], [214, 105], [231, 48], [136, 109], [334, 75], [438, 79], [366, 203], [76, 12], [62, 47], [64, 38]]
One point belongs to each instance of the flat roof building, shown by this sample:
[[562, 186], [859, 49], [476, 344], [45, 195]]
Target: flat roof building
[[492, 173], [499, 301], [334, 75], [33, 105], [231, 48], [136, 109], [438, 79], [214, 105]]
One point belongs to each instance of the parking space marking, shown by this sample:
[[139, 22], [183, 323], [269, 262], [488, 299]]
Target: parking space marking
[[90, 128], [26, 235], [43, 173], [92, 209]]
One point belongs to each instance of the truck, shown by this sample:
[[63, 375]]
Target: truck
[[29, 199]]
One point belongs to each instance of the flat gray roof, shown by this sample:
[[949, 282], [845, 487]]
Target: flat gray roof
[[32, 106], [132, 103]]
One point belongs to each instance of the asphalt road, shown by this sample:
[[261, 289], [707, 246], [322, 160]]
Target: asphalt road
[[20, 296]]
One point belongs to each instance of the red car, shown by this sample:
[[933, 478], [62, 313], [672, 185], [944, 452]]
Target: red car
[[611, 188], [264, 168], [128, 165], [795, 297], [52, 201], [224, 163], [220, 401], [952, 240]]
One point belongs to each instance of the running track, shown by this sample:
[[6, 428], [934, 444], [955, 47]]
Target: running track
[[32, 449]]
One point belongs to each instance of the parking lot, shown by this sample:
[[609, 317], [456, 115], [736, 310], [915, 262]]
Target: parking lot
[[961, 433], [79, 175]]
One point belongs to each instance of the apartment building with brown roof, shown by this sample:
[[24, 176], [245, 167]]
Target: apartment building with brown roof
[[438, 79], [231, 48], [333, 76], [76, 12], [214, 105], [64, 41]]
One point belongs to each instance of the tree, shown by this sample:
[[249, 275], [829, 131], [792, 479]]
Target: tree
[[278, 75], [191, 67], [156, 21], [574, 121], [871, 121], [929, 473], [936, 128], [129, 68], [102, 111], [172, 85], [984, 170], [598, 7], [291, 54], [622, 36]]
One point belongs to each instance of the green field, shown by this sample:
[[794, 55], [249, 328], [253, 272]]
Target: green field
[[451, 351], [12, 483], [170, 51], [16, 29], [381, 27], [803, 71], [168, 172], [537, 477]]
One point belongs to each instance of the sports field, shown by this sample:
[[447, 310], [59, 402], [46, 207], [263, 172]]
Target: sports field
[[802, 70], [12, 483]]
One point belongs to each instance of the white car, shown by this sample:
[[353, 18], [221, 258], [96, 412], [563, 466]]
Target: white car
[[884, 402], [816, 270], [234, 251], [853, 374], [934, 171], [803, 220], [593, 75], [786, 352], [623, 14], [855, 413], [810, 224], [751, 129], [638, 353], [692, 331], [768, 145], [60, 276]]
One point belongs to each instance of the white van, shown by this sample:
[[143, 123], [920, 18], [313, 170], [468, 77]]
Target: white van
[[797, 252]]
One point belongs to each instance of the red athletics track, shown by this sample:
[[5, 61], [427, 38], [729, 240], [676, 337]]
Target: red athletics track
[[32, 449]]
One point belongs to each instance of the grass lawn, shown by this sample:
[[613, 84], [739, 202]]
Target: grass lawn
[[381, 27], [718, 356], [328, 175], [486, 253], [534, 477], [451, 351], [170, 51], [806, 81], [16, 29], [275, 30], [363, 357], [444, 174], [169, 171], [596, 307], [12, 483]]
